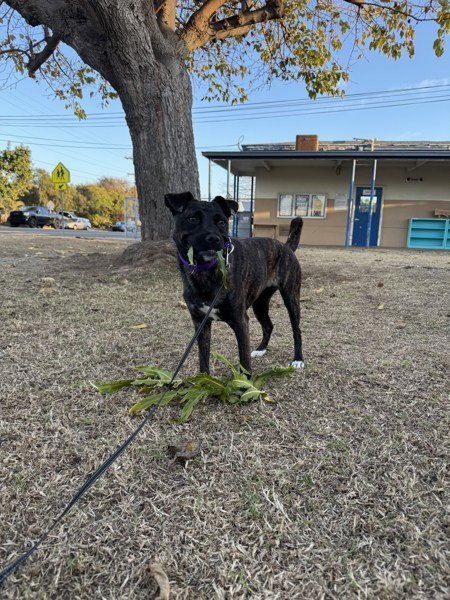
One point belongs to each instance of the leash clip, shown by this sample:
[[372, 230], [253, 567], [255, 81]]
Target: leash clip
[[229, 250]]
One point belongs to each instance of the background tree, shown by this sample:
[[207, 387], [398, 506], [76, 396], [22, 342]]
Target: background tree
[[98, 205], [41, 191], [15, 175], [143, 52]]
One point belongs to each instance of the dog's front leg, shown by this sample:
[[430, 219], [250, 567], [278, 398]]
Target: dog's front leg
[[203, 343], [240, 327]]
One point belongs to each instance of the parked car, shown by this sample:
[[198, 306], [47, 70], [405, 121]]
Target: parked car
[[120, 226], [34, 216], [73, 221]]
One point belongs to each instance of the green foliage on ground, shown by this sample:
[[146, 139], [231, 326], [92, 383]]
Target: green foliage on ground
[[159, 387]]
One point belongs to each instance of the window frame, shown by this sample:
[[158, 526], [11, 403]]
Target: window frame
[[293, 200]]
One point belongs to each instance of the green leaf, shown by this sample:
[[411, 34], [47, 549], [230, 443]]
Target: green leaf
[[155, 371], [190, 255], [213, 385], [222, 266], [114, 386], [235, 369], [162, 398], [189, 406], [260, 379]]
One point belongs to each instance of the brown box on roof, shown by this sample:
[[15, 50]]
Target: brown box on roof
[[307, 143]]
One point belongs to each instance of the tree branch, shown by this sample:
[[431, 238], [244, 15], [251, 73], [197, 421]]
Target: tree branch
[[37, 60], [166, 12], [200, 29]]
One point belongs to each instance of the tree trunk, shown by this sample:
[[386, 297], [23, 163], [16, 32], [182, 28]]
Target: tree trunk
[[159, 116]]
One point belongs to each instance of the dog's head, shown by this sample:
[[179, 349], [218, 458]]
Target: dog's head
[[200, 225]]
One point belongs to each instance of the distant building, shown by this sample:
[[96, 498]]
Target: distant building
[[333, 186]]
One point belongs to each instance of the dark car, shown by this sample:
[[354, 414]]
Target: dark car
[[120, 226], [34, 216]]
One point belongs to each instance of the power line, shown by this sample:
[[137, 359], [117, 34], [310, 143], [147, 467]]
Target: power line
[[117, 118], [314, 112], [87, 146]]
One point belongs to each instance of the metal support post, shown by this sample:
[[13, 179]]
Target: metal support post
[[210, 181], [350, 204], [61, 203], [251, 205], [372, 194]]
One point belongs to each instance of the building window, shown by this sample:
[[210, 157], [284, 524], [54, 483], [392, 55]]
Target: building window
[[302, 205]]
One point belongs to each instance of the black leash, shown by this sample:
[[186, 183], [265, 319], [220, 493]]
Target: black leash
[[109, 461]]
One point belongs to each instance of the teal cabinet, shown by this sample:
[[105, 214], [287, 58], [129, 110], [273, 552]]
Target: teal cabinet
[[429, 234]]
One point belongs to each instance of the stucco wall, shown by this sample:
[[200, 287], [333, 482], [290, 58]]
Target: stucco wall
[[402, 200]]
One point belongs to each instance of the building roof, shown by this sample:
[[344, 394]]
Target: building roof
[[252, 156], [357, 145]]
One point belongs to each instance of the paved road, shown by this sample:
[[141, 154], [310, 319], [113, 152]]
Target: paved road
[[93, 234]]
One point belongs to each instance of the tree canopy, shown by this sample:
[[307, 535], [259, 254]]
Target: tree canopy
[[15, 175], [224, 41]]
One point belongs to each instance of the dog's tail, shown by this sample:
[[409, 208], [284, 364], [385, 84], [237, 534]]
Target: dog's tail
[[294, 233]]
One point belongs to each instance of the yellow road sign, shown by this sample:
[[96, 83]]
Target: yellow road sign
[[60, 174], [60, 186]]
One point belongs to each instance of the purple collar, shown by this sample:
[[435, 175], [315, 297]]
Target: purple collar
[[204, 266]]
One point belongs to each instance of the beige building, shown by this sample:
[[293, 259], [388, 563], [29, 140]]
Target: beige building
[[356, 193]]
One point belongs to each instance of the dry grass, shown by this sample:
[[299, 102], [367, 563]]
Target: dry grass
[[340, 490]]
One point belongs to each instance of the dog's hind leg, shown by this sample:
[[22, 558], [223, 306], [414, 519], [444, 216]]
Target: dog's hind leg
[[292, 303], [261, 310]]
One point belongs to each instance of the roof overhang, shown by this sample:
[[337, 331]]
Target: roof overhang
[[245, 163]]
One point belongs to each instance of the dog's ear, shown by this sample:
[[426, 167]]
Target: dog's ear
[[176, 203], [229, 207]]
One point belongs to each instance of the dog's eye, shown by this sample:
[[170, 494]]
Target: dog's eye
[[221, 222], [193, 219]]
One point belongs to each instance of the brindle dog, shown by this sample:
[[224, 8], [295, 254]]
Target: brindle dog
[[257, 268]]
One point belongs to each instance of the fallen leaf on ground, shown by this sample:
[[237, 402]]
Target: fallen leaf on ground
[[46, 291], [140, 326], [380, 306], [48, 281], [162, 580], [184, 450]]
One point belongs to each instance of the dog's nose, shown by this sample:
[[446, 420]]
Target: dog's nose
[[213, 239]]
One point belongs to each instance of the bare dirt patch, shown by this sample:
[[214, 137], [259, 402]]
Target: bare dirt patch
[[339, 490]]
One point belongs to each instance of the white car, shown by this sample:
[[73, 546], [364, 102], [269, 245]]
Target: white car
[[73, 221]]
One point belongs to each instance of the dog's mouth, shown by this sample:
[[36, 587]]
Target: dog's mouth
[[207, 255]]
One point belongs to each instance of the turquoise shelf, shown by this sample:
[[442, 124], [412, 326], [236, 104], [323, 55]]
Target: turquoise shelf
[[429, 234]]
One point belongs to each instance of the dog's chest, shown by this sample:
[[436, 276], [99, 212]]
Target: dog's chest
[[202, 309]]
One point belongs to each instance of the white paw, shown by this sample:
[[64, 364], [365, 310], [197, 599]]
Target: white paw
[[258, 353], [298, 364]]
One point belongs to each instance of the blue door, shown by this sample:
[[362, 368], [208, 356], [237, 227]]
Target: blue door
[[361, 218]]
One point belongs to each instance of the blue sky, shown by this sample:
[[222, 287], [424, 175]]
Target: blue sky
[[108, 146]]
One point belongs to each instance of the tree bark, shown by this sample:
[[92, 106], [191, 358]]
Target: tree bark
[[144, 63], [159, 116]]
